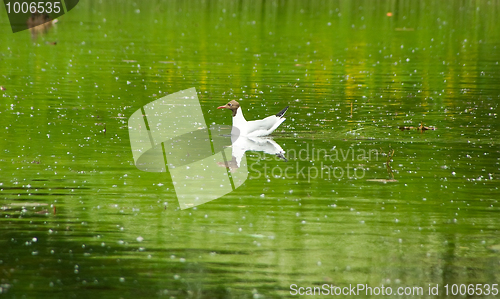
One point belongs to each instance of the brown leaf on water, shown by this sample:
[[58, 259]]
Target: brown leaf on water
[[495, 247], [27, 204], [424, 128], [384, 181], [419, 128]]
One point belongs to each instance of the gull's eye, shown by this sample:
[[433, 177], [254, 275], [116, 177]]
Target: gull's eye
[[229, 104]]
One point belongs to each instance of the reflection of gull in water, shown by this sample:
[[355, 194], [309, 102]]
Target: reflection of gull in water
[[39, 23], [242, 144]]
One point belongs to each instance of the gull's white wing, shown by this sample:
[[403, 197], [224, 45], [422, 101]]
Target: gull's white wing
[[264, 126]]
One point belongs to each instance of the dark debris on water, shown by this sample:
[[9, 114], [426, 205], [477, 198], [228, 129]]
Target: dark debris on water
[[419, 128]]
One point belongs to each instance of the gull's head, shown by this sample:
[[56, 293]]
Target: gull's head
[[232, 105]]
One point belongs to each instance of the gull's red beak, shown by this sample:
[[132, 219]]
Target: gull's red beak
[[221, 107]]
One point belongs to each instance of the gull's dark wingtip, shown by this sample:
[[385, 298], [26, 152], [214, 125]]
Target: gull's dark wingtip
[[282, 112], [280, 155]]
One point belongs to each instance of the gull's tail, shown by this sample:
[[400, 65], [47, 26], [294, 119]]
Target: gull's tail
[[282, 112]]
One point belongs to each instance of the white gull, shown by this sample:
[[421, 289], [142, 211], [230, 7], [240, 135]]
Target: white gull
[[254, 128]]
